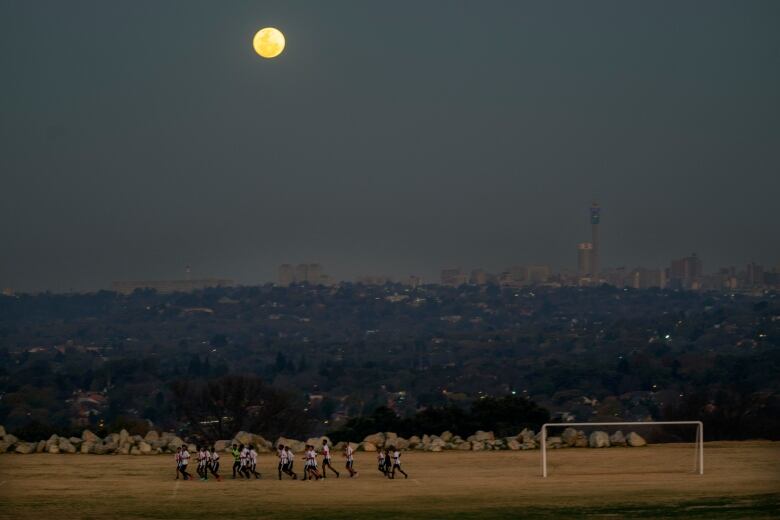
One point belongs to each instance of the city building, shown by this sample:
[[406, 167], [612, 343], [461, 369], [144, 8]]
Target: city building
[[584, 259], [453, 277], [641, 278], [595, 256], [686, 273], [169, 286], [286, 275]]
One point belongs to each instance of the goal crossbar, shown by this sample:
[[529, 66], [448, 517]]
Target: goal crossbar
[[699, 437]]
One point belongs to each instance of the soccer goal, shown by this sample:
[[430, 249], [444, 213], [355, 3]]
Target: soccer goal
[[699, 460]]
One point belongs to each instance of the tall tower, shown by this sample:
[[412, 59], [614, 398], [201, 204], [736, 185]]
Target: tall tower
[[595, 260]]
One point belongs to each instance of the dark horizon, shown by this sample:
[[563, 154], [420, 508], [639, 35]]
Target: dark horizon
[[137, 139]]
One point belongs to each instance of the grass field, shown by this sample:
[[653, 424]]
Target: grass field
[[741, 480]]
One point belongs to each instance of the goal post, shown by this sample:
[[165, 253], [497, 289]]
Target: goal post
[[699, 437]]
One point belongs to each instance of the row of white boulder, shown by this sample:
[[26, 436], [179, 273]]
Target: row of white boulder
[[156, 443]]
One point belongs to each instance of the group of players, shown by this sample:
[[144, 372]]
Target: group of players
[[245, 462]]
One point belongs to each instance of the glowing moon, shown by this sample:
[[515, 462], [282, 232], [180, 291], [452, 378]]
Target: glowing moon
[[268, 42]]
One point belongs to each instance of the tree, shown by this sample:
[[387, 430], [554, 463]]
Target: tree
[[218, 408]]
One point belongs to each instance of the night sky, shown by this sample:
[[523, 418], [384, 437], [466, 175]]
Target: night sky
[[388, 138]]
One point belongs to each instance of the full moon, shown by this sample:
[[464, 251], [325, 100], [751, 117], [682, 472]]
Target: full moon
[[269, 42]]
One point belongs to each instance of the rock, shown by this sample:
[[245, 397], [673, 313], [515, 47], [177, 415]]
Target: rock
[[598, 439], [89, 436], [110, 447], [244, 438], [513, 444], [151, 436], [317, 442], [436, 445], [2, 431], [482, 436], [295, 446], [463, 446], [222, 445], [99, 448], [477, 445], [87, 447], [65, 446], [635, 440], [40, 447], [377, 439], [414, 440], [401, 443], [368, 446], [53, 448], [5, 446], [13, 439], [53, 441], [125, 449], [192, 448], [144, 447], [526, 436], [390, 438], [339, 446], [554, 442], [135, 451], [76, 441], [617, 439], [266, 446], [569, 436], [25, 447], [446, 436], [175, 443], [581, 441], [426, 439], [124, 436], [135, 438]]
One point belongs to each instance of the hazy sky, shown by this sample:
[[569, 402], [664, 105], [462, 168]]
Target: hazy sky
[[397, 137]]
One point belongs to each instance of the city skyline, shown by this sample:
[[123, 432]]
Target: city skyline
[[477, 139]]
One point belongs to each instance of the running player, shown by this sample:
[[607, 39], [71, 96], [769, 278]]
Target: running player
[[178, 461], [184, 460], [290, 461], [380, 460], [311, 463], [214, 466], [203, 460], [326, 459], [244, 461], [236, 460], [282, 460], [253, 461], [348, 453], [387, 463], [397, 463]]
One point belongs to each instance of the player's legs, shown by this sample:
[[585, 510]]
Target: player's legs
[[325, 466]]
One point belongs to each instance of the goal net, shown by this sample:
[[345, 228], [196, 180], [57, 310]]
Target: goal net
[[674, 426]]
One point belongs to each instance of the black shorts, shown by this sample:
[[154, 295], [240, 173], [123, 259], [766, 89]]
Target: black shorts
[[215, 466], [396, 466], [326, 461], [287, 466], [350, 463]]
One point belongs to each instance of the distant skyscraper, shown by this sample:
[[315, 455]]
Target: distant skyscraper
[[453, 277], [595, 260], [301, 273], [314, 274], [286, 275], [686, 273], [584, 256]]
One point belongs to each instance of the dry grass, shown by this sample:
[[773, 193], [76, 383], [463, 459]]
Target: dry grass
[[741, 480]]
